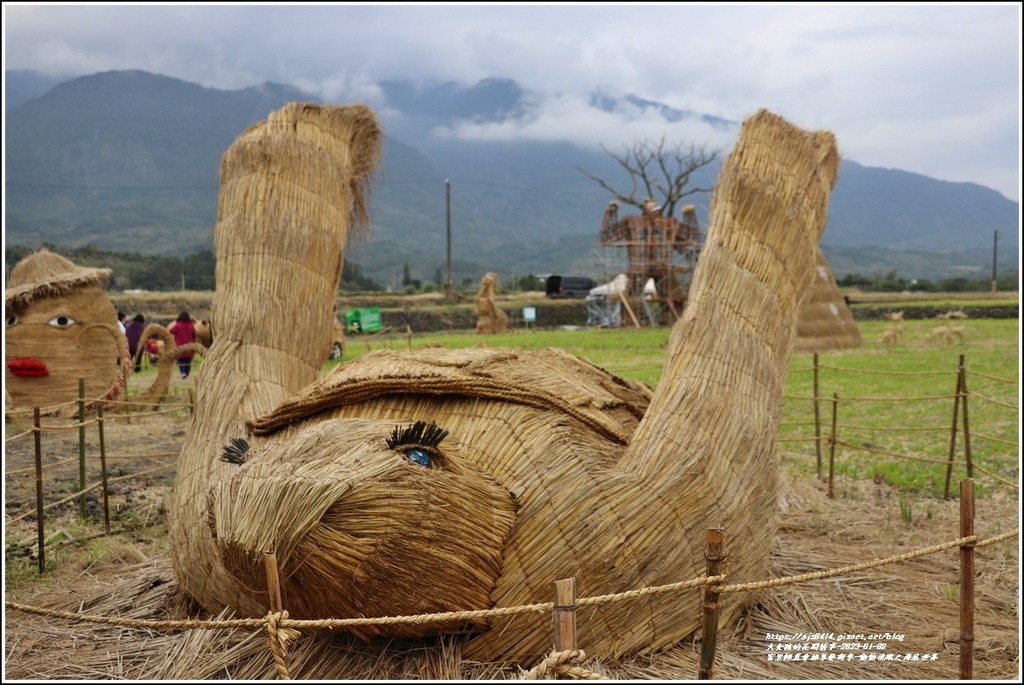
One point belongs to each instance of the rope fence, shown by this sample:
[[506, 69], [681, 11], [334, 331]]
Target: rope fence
[[565, 661]]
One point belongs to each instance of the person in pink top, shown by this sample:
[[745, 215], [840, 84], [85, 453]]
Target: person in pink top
[[184, 332]]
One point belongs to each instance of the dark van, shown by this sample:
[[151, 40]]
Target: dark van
[[568, 286]]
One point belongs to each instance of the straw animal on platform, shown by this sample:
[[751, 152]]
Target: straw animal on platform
[[895, 330], [436, 480], [490, 318], [61, 327]]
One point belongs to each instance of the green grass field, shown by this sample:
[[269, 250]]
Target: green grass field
[[895, 402]]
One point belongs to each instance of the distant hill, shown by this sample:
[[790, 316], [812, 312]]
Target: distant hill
[[129, 160]]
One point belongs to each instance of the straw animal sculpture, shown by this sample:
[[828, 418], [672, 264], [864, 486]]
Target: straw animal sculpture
[[436, 480], [946, 333], [895, 331], [490, 318], [165, 364], [826, 322], [61, 327]]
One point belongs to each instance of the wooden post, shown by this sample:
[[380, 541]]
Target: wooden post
[[39, 491], [966, 580], [273, 581], [103, 470], [191, 402], [565, 615], [629, 310], [952, 432], [714, 556], [967, 424], [81, 447], [832, 445], [817, 418]]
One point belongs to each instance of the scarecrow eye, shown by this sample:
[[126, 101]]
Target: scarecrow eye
[[418, 456], [419, 442], [62, 321], [12, 320]]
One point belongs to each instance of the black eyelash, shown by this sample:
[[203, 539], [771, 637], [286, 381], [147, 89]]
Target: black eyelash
[[235, 452], [419, 434]]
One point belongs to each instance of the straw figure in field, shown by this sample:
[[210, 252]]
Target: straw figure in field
[[895, 330], [490, 318], [447, 480], [61, 327], [946, 333], [825, 322]]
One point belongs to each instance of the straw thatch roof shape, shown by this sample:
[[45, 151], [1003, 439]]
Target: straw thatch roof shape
[[437, 480], [826, 322], [61, 327]]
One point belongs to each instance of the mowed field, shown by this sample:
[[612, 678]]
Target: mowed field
[[893, 409]]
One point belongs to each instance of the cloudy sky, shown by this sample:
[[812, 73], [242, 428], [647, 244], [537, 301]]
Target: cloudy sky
[[932, 89]]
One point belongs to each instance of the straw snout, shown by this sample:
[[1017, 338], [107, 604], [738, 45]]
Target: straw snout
[[366, 518]]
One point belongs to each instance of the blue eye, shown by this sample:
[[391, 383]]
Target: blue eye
[[418, 456]]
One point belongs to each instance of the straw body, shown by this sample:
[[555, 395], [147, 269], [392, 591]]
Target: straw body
[[446, 480]]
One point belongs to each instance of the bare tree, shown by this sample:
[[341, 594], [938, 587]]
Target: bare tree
[[659, 171]]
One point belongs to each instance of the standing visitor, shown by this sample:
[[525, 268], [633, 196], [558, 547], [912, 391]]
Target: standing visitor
[[184, 332], [133, 331]]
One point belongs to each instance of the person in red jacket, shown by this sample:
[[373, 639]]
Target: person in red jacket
[[184, 332]]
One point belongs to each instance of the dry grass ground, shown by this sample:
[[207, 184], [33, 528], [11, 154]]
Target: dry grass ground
[[128, 575]]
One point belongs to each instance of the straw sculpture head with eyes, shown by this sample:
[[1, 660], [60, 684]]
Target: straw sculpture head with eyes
[[447, 480], [61, 327]]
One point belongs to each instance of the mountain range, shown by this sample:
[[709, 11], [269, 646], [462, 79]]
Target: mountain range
[[129, 160]]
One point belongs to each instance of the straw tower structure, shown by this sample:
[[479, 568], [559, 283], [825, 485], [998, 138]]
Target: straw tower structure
[[61, 327], [407, 483], [826, 322]]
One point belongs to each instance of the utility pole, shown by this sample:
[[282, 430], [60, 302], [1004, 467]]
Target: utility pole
[[995, 243], [448, 218]]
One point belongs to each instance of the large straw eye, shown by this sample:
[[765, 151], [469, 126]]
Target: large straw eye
[[61, 321], [12, 320], [418, 456]]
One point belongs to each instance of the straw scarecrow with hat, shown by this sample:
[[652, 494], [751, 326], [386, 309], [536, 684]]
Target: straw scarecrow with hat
[[450, 480], [61, 327]]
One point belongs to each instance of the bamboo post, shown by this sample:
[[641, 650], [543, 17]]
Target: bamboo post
[[714, 555], [81, 447], [967, 580], [565, 615], [273, 581], [967, 424], [629, 310], [952, 432], [832, 446], [817, 418], [103, 470], [39, 490]]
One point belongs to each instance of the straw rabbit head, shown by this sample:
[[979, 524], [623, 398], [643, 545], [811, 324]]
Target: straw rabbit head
[[401, 523]]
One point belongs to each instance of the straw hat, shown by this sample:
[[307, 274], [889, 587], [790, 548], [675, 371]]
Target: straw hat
[[47, 274]]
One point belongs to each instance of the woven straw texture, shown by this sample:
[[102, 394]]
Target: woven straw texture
[[825, 322], [542, 466], [65, 324]]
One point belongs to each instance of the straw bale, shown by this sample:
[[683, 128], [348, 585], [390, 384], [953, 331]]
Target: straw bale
[[826, 322], [542, 466], [65, 328]]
